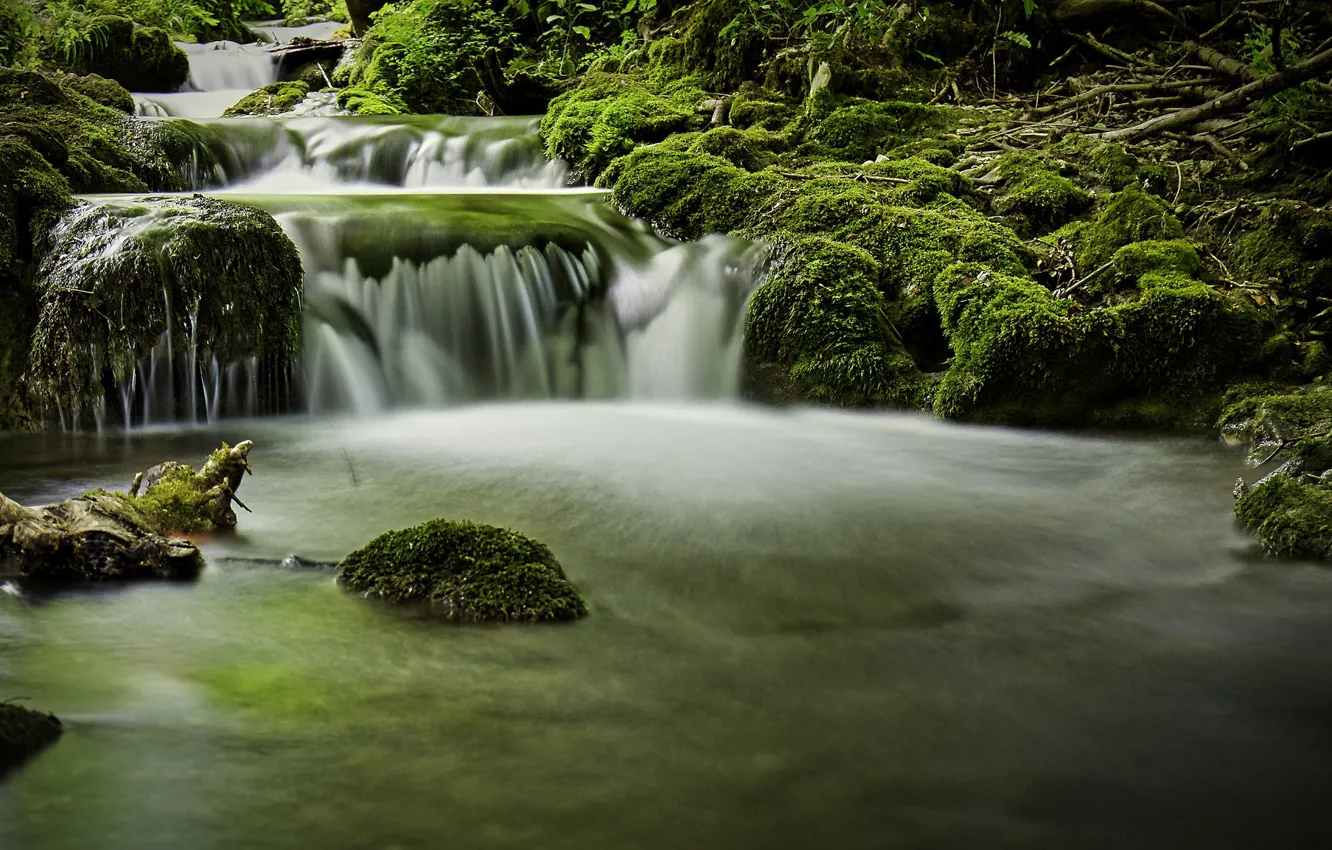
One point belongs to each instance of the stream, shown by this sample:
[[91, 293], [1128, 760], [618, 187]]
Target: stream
[[808, 628]]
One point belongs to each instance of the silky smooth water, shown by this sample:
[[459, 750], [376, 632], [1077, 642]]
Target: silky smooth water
[[807, 630]]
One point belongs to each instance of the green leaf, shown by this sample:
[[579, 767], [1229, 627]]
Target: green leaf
[[1028, 6], [584, 32], [1020, 39]]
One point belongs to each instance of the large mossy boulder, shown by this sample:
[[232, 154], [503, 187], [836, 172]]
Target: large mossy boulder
[[219, 276], [22, 733], [474, 572], [140, 58]]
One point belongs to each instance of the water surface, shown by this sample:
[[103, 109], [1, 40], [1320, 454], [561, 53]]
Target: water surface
[[807, 630]]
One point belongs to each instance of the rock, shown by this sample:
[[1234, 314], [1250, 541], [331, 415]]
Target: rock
[[272, 99], [230, 275], [23, 732], [105, 535], [143, 59], [475, 572], [101, 90]]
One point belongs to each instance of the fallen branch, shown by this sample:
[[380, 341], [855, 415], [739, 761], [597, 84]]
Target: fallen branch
[[1214, 143], [1113, 88], [1221, 63], [1292, 76], [1319, 139]]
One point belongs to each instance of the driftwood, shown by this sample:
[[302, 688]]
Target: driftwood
[[103, 535]]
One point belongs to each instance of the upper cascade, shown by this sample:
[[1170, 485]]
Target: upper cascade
[[345, 154]]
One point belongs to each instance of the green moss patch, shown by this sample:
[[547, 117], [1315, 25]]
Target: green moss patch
[[272, 99], [476, 572], [1292, 516]]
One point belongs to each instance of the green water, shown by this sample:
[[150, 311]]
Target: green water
[[807, 630]]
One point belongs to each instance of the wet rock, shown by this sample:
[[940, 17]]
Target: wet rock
[[474, 572], [139, 58], [23, 732], [272, 99]]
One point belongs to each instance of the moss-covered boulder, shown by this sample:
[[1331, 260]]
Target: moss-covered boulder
[[218, 275], [272, 99], [474, 572], [140, 58], [361, 101], [23, 732], [101, 90], [860, 129], [1290, 515], [609, 115]]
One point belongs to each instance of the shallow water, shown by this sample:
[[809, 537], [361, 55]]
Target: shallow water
[[808, 629]]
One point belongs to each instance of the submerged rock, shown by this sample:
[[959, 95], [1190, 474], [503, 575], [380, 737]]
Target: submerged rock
[[23, 732], [106, 535], [476, 572]]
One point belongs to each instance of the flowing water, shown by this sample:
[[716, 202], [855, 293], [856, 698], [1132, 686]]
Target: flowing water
[[808, 629]]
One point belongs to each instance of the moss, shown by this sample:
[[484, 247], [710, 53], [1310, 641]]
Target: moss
[[363, 102], [860, 130], [139, 58], [1174, 256], [1292, 517], [23, 732], [101, 90], [1289, 245], [609, 116], [754, 107], [819, 323], [475, 572], [230, 275], [177, 504], [1035, 194], [686, 194], [1102, 165], [725, 61], [1022, 355], [272, 99], [1266, 418], [748, 150], [1125, 217]]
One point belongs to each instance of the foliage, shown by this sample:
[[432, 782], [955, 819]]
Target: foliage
[[18, 33]]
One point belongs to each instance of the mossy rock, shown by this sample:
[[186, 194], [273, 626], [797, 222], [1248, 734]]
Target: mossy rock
[[1274, 421], [1035, 194], [1288, 245], [364, 102], [272, 99], [1123, 218], [142, 59], [475, 572], [232, 277], [101, 90], [1290, 515], [860, 130], [23, 732], [754, 107], [816, 330], [609, 116]]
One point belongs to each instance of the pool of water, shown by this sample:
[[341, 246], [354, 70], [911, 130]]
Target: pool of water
[[808, 629]]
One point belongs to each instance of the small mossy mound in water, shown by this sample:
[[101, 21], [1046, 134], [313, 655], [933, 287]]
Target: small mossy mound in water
[[23, 732], [139, 58], [478, 573], [220, 275], [272, 99]]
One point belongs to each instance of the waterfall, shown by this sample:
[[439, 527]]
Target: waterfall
[[322, 154], [444, 261]]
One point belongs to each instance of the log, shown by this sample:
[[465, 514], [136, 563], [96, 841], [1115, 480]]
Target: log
[[1071, 10], [107, 535], [1292, 76]]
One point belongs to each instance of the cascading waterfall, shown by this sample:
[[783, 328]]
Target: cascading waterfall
[[444, 262]]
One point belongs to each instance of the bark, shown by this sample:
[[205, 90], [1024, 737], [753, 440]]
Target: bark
[[1071, 10], [1292, 76], [105, 535]]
